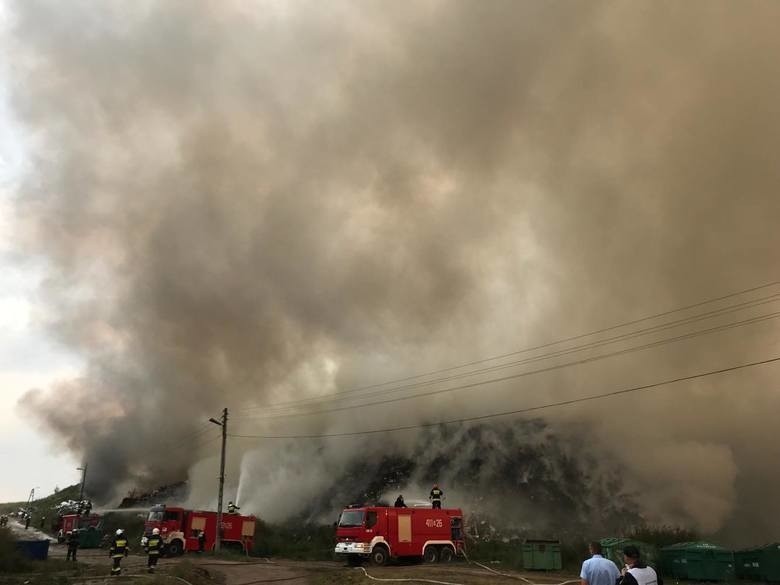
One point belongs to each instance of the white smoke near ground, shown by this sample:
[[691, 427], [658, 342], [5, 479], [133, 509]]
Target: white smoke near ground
[[248, 203]]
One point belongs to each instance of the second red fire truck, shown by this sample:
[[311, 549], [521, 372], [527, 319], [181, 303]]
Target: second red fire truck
[[180, 528], [380, 533]]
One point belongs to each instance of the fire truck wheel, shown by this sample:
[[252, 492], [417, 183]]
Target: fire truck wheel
[[431, 554], [446, 555], [379, 556], [175, 548]]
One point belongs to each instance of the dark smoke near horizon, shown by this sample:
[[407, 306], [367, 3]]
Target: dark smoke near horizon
[[249, 203]]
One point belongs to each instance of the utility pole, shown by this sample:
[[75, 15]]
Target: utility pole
[[223, 424], [83, 471]]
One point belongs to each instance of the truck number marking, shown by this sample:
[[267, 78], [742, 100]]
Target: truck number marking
[[434, 523]]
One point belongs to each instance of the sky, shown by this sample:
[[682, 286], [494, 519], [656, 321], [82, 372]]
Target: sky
[[28, 359]]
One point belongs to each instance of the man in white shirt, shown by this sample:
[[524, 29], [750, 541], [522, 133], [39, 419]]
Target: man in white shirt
[[597, 570], [637, 572]]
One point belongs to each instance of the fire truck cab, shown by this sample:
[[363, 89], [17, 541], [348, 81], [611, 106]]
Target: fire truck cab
[[381, 533], [180, 528]]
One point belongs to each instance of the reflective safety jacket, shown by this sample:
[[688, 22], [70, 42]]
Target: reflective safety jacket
[[119, 547], [154, 544], [641, 574], [436, 494]]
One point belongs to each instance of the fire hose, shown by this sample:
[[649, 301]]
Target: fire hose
[[468, 560], [518, 577]]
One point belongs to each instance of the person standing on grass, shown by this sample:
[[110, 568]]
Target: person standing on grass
[[597, 570]]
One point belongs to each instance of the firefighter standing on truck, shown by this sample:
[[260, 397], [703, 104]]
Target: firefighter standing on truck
[[436, 496], [154, 546], [232, 508], [118, 551]]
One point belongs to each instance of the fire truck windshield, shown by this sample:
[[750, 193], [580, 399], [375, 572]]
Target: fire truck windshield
[[350, 518], [155, 516]]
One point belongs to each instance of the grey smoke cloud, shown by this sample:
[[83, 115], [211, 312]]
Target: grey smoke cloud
[[244, 203]]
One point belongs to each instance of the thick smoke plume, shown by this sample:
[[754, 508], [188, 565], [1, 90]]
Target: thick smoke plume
[[247, 203]]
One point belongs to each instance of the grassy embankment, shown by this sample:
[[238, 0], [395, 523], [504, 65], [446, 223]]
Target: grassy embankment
[[43, 506]]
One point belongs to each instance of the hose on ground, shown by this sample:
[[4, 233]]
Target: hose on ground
[[509, 576], [407, 580]]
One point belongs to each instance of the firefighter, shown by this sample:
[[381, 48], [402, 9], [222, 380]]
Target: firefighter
[[201, 541], [436, 496], [72, 540], [26, 521], [88, 508], [232, 508], [154, 546], [118, 551], [399, 502]]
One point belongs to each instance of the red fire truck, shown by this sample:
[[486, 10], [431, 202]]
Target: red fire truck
[[180, 528], [381, 533], [90, 529]]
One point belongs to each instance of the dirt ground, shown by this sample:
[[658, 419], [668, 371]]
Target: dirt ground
[[259, 571]]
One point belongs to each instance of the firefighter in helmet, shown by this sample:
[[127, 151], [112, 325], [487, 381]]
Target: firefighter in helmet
[[232, 508], [154, 546], [436, 496], [399, 502], [72, 540], [118, 551]]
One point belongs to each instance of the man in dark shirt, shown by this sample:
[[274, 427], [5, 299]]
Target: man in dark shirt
[[399, 502]]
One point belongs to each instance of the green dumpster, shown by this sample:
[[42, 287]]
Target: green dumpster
[[758, 564], [90, 537], [542, 555], [612, 549], [747, 563], [697, 561]]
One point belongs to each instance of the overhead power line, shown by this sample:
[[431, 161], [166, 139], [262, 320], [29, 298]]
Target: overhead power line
[[592, 397], [339, 394], [528, 372], [192, 439]]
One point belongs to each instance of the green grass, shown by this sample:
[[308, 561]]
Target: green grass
[[130, 522], [43, 506], [661, 536], [294, 541]]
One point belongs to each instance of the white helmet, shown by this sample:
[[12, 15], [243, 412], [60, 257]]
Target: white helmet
[[156, 531], [119, 531]]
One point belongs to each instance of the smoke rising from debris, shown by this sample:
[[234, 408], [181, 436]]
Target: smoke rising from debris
[[250, 203]]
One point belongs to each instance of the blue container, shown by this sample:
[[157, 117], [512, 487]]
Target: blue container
[[37, 550]]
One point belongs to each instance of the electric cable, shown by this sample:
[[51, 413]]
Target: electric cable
[[526, 373], [336, 395], [633, 389]]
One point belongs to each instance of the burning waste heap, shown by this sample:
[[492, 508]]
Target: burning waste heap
[[249, 205]]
